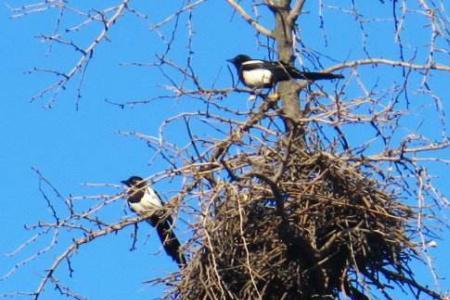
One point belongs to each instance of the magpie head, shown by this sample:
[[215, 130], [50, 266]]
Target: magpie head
[[239, 59], [133, 181]]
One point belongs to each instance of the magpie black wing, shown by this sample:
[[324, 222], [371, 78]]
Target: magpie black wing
[[280, 70], [257, 64], [159, 196]]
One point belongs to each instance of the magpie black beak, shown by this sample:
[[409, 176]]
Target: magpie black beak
[[231, 60], [125, 182]]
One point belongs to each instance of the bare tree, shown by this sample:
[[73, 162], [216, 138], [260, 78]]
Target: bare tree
[[287, 202]]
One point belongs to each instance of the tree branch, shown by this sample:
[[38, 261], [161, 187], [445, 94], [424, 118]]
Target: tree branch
[[296, 10], [383, 61], [260, 28]]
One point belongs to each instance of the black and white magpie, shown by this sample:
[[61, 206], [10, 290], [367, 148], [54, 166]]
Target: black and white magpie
[[257, 73], [144, 200]]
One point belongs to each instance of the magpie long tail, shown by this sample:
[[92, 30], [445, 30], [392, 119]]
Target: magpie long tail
[[169, 240], [317, 76]]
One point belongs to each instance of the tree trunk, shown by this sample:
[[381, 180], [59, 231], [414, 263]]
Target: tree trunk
[[287, 90]]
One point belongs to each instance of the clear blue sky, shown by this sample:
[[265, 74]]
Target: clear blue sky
[[72, 147]]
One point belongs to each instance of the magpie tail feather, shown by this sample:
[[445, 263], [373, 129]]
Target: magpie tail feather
[[317, 76], [170, 242]]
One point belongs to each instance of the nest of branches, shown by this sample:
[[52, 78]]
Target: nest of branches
[[298, 225]]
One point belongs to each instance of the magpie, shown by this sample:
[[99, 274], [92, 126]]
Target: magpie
[[144, 200], [257, 73]]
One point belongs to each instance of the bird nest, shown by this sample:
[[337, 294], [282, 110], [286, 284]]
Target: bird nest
[[297, 225]]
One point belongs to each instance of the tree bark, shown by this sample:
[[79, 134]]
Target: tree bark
[[287, 90]]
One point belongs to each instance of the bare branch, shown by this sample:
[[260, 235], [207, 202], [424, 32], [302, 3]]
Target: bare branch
[[296, 10], [87, 52], [395, 63], [260, 28]]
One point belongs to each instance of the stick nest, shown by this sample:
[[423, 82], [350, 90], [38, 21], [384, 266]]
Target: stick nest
[[298, 225]]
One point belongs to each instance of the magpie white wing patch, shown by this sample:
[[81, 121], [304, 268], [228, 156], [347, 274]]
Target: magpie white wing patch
[[253, 62], [257, 77]]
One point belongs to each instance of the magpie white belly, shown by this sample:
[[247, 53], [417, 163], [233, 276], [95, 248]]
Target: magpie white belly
[[150, 202], [144, 207], [257, 77]]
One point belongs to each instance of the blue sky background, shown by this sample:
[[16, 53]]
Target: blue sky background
[[72, 147]]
